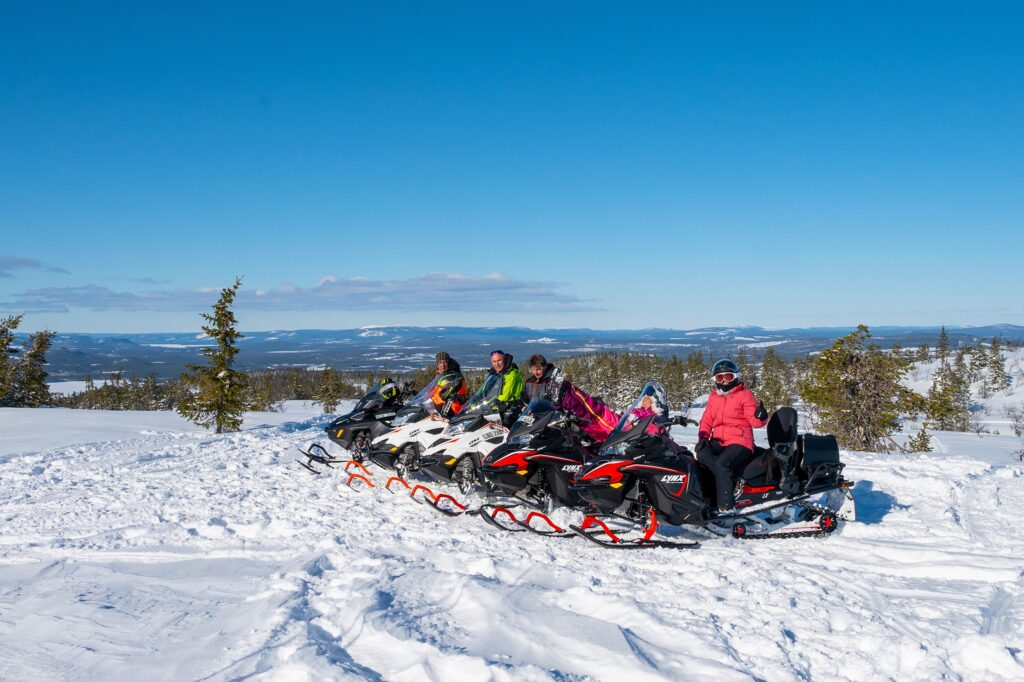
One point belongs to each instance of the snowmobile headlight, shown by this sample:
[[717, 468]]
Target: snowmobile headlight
[[617, 449], [521, 440], [455, 429]]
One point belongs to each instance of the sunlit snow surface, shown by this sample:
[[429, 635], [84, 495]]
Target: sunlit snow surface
[[135, 546]]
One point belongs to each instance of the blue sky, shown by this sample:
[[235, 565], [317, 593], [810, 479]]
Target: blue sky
[[540, 164]]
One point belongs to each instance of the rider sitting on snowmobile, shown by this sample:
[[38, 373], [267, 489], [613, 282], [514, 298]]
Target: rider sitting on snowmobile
[[450, 392], [726, 431], [545, 381], [509, 399], [596, 418], [388, 391]]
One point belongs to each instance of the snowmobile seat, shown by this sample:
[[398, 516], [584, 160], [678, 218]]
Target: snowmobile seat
[[821, 462]]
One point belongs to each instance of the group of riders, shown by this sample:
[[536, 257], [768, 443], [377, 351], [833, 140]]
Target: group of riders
[[725, 432]]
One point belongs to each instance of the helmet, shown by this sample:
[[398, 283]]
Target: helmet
[[725, 366], [386, 380]]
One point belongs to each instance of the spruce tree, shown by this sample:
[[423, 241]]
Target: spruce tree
[[922, 353], [216, 393], [28, 384], [921, 442], [7, 350], [777, 385], [857, 392], [329, 390], [942, 349], [997, 378], [949, 400]]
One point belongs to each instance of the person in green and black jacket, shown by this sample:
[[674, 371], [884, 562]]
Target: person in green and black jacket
[[510, 397]]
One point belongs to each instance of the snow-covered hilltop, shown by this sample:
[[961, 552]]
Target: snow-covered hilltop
[[135, 545]]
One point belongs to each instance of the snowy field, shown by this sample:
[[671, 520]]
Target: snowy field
[[134, 546]]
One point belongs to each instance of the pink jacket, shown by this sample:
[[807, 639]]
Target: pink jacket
[[730, 417]]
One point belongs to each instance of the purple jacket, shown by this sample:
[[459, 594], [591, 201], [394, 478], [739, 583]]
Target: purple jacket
[[601, 419]]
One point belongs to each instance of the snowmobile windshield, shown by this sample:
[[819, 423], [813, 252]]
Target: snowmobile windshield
[[485, 399], [533, 419], [652, 402], [425, 398], [371, 400], [419, 406]]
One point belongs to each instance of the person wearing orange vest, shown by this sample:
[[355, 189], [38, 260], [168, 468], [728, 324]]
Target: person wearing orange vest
[[450, 392]]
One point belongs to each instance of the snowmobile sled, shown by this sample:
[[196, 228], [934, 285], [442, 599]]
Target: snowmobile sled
[[416, 426], [455, 455], [792, 488]]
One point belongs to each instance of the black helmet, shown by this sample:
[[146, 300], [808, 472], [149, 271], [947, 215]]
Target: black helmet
[[725, 366]]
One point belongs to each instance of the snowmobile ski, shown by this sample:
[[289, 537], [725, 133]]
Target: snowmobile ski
[[313, 457], [613, 540]]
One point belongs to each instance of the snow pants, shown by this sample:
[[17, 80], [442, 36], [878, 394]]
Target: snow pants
[[723, 465]]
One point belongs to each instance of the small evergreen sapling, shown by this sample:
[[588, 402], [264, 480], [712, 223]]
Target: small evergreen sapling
[[217, 394]]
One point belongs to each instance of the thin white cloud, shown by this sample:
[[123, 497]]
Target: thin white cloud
[[441, 291], [8, 264]]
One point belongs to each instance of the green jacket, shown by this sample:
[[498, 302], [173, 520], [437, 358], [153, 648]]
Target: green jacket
[[512, 386]]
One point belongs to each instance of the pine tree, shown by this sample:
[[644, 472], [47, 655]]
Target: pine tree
[[330, 390], [922, 353], [942, 349], [997, 379], [949, 400], [7, 350], [777, 385], [217, 393], [921, 442], [857, 392], [28, 385]]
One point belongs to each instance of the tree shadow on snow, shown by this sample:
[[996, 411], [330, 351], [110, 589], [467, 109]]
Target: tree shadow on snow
[[873, 505]]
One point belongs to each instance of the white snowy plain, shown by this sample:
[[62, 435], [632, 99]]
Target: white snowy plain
[[135, 546]]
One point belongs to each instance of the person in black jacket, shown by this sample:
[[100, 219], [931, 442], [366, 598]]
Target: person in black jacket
[[545, 380]]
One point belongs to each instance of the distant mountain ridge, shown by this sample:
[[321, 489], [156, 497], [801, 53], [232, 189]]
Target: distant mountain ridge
[[402, 348]]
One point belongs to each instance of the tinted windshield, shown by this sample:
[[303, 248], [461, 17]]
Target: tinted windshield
[[425, 398], [653, 400], [485, 397]]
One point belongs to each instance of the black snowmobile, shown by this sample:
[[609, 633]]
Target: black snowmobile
[[792, 488], [354, 431]]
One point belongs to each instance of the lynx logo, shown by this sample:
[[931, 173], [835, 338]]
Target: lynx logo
[[572, 468], [385, 415], [527, 419], [681, 478]]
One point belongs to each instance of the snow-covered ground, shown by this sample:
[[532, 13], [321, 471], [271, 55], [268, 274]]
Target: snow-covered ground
[[133, 545]]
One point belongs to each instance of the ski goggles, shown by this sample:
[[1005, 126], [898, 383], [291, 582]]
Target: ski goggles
[[725, 377]]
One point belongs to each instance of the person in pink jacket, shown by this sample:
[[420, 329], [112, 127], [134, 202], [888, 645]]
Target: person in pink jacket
[[726, 432]]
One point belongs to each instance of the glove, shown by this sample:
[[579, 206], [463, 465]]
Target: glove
[[760, 412], [701, 444]]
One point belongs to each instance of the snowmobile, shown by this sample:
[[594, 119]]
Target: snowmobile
[[544, 450], [792, 488], [416, 426], [455, 456], [354, 432]]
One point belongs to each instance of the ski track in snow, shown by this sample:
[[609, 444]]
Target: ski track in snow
[[215, 557]]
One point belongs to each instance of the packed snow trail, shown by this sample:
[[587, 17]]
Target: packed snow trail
[[193, 556]]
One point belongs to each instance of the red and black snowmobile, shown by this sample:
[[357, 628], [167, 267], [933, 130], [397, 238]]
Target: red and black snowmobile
[[792, 488], [536, 466]]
